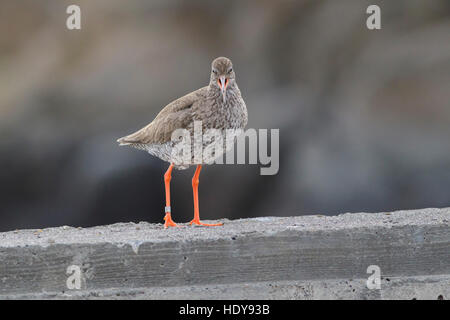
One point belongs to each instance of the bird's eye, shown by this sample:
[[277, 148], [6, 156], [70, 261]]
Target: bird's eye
[[214, 71], [230, 70]]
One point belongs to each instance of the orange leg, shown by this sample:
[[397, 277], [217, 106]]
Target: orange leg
[[168, 218], [196, 220]]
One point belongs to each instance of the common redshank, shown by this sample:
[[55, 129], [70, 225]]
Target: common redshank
[[217, 106]]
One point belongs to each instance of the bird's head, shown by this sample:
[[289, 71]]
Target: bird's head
[[222, 75]]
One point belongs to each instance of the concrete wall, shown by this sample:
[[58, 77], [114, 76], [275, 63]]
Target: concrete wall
[[308, 257]]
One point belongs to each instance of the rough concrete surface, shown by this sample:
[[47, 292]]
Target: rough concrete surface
[[305, 257]]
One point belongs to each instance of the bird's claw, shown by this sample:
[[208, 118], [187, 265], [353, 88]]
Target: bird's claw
[[169, 222], [199, 223]]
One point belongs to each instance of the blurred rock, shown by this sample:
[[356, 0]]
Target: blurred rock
[[364, 116]]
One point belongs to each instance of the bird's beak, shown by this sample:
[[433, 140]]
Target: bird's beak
[[223, 83]]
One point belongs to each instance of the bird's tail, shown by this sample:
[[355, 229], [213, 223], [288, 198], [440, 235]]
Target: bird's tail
[[134, 138], [124, 142], [137, 137]]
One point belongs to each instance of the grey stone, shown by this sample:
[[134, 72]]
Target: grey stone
[[305, 257]]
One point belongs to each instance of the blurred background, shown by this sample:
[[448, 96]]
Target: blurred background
[[364, 116]]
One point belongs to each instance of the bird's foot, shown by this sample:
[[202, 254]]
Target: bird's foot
[[199, 223], [169, 222]]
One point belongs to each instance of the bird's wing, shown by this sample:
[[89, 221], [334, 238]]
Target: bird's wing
[[175, 115]]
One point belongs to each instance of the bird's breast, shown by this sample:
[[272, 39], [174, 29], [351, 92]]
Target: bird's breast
[[232, 114]]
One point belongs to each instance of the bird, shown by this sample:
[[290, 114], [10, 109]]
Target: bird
[[218, 106]]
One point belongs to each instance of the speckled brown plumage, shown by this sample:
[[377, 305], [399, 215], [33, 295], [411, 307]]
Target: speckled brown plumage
[[216, 108]]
